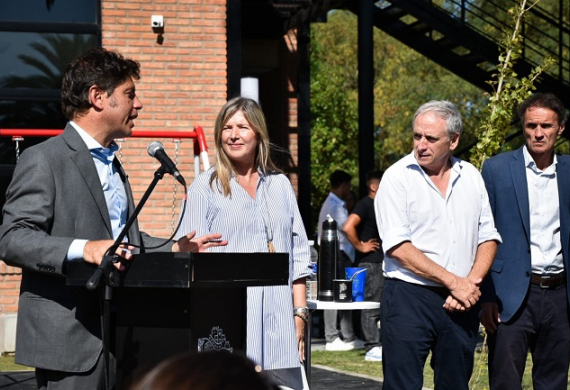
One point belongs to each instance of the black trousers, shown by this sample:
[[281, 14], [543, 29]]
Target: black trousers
[[414, 323], [540, 326]]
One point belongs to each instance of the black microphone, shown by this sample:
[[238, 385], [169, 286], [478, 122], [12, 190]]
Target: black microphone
[[156, 150]]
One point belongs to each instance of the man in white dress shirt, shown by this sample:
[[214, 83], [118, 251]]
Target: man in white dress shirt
[[439, 240]]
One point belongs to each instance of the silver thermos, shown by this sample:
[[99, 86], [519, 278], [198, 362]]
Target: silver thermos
[[328, 257]]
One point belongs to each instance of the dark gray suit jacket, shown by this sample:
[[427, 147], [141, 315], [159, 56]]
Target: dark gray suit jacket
[[505, 179], [55, 197]]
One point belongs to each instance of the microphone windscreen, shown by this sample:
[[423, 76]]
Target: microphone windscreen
[[154, 147]]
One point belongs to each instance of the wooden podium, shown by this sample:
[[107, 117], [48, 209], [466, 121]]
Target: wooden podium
[[166, 303]]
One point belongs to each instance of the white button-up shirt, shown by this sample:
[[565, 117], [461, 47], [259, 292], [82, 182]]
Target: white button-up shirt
[[447, 228], [544, 213]]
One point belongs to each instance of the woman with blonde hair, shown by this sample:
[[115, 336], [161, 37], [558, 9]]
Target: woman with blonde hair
[[247, 199]]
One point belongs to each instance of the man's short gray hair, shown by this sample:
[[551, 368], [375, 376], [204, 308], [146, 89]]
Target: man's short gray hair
[[446, 111]]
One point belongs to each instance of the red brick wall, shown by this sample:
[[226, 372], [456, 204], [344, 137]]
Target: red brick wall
[[9, 288], [289, 75], [183, 85]]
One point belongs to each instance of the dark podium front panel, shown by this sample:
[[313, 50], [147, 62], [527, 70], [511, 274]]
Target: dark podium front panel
[[166, 303]]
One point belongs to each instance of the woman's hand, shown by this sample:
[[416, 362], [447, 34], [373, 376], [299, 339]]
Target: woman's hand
[[300, 331], [189, 243]]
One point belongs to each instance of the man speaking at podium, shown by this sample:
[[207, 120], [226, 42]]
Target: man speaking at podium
[[68, 200]]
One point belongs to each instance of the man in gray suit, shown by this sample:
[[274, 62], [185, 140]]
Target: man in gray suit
[[69, 199]]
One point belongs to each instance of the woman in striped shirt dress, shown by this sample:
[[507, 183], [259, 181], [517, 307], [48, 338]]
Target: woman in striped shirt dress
[[247, 199]]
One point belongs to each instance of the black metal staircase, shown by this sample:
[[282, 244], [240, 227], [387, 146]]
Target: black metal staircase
[[464, 36]]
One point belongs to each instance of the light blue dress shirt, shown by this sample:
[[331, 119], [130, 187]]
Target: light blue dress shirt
[[544, 214], [112, 185]]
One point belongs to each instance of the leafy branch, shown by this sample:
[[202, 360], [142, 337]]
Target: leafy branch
[[508, 90]]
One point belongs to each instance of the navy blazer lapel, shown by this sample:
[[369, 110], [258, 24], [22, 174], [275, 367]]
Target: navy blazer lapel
[[518, 175], [84, 162], [562, 176]]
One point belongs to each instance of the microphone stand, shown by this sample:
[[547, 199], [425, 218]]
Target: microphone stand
[[106, 268]]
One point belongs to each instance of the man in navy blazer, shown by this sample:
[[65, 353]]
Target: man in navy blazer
[[525, 296], [68, 201]]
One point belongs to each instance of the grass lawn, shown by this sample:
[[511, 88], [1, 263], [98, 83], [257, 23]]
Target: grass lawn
[[353, 361], [7, 364]]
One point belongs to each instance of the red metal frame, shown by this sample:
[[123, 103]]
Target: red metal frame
[[197, 135]]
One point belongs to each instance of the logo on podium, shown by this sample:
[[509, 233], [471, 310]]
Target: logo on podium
[[215, 341]]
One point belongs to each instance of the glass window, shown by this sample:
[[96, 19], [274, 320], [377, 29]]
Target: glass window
[[71, 11], [37, 60], [38, 39], [27, 114]]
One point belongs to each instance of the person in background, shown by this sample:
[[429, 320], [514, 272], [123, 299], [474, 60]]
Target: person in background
[[247, 198], [439, 241], [362, 232], [350, 201], [212, 370], [526, 294], [335, 206], [68, 201]]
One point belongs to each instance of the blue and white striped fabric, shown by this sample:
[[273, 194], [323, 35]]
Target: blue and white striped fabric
[[271, 339]]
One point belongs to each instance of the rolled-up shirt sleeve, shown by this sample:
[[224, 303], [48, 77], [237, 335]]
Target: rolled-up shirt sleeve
[[487, 230], [390, 206]]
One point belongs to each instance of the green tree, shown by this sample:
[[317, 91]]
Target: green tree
[[509, 89]]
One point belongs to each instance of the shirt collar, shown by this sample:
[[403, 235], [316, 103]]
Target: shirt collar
[[94, 146], [456, 164], [529, 163], [334, 197]]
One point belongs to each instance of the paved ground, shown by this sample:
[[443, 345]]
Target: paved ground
[[23, 380], [322, 378]]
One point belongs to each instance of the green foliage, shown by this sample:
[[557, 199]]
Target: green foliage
[[7, 364], [334, 106], [509, 90]]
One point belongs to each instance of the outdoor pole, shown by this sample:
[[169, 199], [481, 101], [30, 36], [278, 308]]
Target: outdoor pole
[[365, 92], [304, 123]]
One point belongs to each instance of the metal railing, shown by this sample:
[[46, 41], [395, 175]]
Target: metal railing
[[200, 147], [546, 29]]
